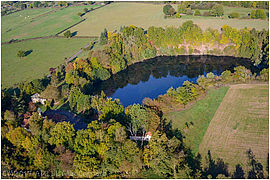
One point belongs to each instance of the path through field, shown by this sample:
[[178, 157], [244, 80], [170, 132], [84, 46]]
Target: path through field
[[241, 122]]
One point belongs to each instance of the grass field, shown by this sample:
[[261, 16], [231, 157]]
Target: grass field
[[241, 122], [200, 114], [116, 15], [19, 26], [45, 53]]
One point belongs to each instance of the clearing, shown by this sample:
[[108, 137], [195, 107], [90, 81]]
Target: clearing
[[39, 22], [200, 114], [45, 53], [241, 122], [115, 15]]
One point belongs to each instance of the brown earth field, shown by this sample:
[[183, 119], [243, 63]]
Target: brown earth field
[[240, 123]]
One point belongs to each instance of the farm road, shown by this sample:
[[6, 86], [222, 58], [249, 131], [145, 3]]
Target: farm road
[[79, 52]]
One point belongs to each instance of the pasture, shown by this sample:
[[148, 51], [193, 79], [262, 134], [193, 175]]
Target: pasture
[[200, 114], [115, 15], [39, 22], [241, 122], [45, 53]]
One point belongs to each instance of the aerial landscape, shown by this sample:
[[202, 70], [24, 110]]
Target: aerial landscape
[[136, 90]]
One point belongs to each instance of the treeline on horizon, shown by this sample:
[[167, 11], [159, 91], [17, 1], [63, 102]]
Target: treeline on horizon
[[104, 149]]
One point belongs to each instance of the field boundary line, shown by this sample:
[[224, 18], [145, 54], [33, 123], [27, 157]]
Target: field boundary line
[[56, 35], [48, 37], [79, 21]]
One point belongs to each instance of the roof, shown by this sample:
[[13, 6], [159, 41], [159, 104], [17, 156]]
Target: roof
[[149, 133], [35, 95]]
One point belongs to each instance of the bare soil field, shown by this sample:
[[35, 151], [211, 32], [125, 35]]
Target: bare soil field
[[240, 123]]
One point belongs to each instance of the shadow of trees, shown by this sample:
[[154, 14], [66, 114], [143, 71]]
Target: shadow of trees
[[28, 52], [74, 33]]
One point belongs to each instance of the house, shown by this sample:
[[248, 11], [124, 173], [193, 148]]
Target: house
[[147, 137], [36, 98]]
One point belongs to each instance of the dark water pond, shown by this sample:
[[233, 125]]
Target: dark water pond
[[155, 76]]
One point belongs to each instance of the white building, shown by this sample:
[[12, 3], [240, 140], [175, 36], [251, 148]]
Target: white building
[[36, 98]]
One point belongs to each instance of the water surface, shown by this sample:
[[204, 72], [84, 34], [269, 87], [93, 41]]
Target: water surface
[[154, 77]]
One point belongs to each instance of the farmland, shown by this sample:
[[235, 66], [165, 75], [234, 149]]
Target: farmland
[[200, 114], [116, 15], [45, 53], [39, 22], [241, 122]]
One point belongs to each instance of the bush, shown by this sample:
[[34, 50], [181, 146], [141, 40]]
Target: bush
[[181, 8], [79, 14], [68, 34], [210, 75], [197, 12], [206, 13], [189, 12], [264, 74], [21, 53], [241, 73], [168, 10], [258, 14], [190, 50], [226, 76], [217, 10], [178, 15], [234, 15], [85, 10]]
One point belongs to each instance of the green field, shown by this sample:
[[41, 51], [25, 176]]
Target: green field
[[19, 26], [241, 122], [143, 15], [45, 53], [200, 114]]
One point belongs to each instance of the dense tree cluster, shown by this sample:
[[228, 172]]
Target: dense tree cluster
[[31, 142], [258, 14]]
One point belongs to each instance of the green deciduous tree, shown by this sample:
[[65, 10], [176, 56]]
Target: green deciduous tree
[[68, 34], [217, 10], [197, 12], [168, 10], [62, 134], [103, 37], [21, 53]]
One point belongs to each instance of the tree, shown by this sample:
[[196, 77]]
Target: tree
[[51, 93], [37, 4], [79, 14], [182, 8], [168, 10], [85, 10], [10, 118], [171, 11], [234, 15], [138, 117], [103, 37], [17, 136], [197, 12], [35, 124], [21, 53], [68, 34], [260, 14], [62, 134], [217, 10]]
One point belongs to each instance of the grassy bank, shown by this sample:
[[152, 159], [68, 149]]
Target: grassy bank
[[28, 23], [45, 53], [200, 114]]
